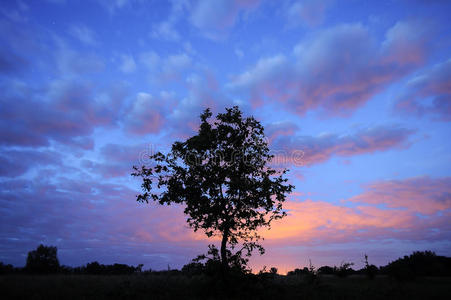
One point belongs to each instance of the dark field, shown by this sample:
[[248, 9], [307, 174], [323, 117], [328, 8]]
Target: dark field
[[179, 286]]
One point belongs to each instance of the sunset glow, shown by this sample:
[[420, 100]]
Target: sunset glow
[[354, 96]]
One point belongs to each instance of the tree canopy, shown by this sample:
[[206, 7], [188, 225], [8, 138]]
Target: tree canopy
[[43, 260], [223, 177]]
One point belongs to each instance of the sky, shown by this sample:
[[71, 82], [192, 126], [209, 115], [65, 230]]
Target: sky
[[355, 98]]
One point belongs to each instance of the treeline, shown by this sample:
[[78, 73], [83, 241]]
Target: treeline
[[44, 260], [418, 264]]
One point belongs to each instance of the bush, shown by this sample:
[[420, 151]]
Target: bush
[[43, 260], [326, 270], [6, 269], [344, 269]]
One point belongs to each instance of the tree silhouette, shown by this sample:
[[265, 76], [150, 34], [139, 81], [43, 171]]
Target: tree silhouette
[[223, 178], [43, 260]]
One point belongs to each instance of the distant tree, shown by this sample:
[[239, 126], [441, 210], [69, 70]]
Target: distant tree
[[94, 268], [298, 272], [43, 260], [222, 176], [273, 270]]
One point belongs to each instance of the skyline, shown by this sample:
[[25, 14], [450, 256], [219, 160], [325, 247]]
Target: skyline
[[361, 89]]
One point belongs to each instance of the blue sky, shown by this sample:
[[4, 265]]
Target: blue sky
[[360, 88]]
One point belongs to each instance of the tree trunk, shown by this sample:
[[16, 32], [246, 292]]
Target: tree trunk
[[224, 262]]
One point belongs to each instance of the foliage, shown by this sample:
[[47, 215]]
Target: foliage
[[222, 176], [43, 260], [6, 269], [344, 269], [95, 268], [326, 270], [419, 263], [212, 265]]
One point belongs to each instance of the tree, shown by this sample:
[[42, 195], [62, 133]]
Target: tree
[[43, 260], [222, 176]]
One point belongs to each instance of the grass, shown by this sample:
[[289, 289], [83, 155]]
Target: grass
[[179, 286]]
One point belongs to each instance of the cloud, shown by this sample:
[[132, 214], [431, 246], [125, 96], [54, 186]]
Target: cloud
[[310, 150], [214, 18], [422, 194], [127, 64], [279, 129], [83, 34], [14, 163], [70, 62], [113, 5], [321, 223], [11, 62], [336, 71], [166, 29], [429, 93], [174, 65], [150, 60], [68, 113], [88, 221], [147, 114], [310, 12], [116, 160], [169, 69]]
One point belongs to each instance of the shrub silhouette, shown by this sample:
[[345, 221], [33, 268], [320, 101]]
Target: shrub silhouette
[[94, 268], [212, 265], [419, 263], [6, 269], [43, 260], [370, 270], [344, 269], [326, 270]]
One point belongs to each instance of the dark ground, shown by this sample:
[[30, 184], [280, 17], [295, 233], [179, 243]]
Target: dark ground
[[179, 286]]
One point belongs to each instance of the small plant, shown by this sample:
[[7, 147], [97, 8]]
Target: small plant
[[311, 276], [370, 270]]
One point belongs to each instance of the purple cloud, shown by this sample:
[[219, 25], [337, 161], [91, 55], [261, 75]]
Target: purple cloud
[[310, 12], [429, 93], [310, 150], [337, 71], [213, 18], [14, 163], [422, 194], [69, 113]]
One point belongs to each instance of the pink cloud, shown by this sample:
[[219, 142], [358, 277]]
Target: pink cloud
[[338, 70], [310, 150], [424, 195], [319, 222], [147, 115]]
